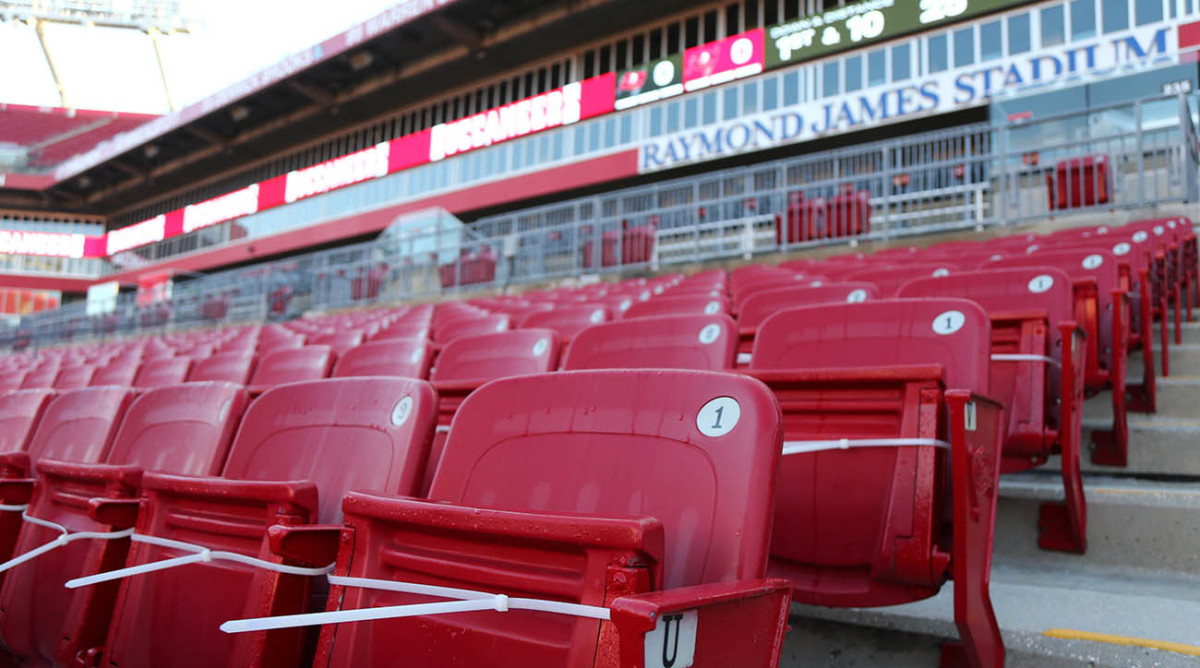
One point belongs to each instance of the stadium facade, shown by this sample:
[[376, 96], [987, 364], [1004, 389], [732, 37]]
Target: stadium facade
[[507, 122]]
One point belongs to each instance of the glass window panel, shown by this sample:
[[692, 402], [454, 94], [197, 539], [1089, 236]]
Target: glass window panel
[[964, 47], [1149, 11], [750, 97], [1083, 19], [791, 88], [731, 103], [1116, 14], [901, 62], [832, 85], [938, 61], [1018, 34], [770, 93], [990, 47], [877, 68], [854, 68], [710, 108]]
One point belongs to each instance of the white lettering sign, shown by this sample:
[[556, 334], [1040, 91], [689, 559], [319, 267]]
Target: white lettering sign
[[548, 110], [219, 209], [371, 163]]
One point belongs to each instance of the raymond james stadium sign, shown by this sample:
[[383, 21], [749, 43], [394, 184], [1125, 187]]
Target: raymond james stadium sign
[[947, 91]]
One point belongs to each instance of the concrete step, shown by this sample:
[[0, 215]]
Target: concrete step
[[1178, 397], [1185, 360], [1158, 446], [1047, 617], [1138, 525]]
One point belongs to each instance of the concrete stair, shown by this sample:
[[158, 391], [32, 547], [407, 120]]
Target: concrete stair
[[1138, 586]]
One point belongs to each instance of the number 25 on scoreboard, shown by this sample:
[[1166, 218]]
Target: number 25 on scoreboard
[[933, 11]]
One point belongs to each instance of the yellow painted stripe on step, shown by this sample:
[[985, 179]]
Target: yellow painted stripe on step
[[1128, 641]]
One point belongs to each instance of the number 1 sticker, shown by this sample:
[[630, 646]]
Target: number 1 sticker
[[718, 417], [402, 410], [1040, 284], [949, 322]]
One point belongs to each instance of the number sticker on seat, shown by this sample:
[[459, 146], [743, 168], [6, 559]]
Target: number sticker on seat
[[625, 304], [672, 643], [712, 308], [949, 322], [416, 355], [597, 315], [857, 295], [540, 347], [1093, 261], [1158, 230], [941, 271], [1122, 248], [402, 410], [1041, 283], [710, 333], [1140, 236], [718, 417]]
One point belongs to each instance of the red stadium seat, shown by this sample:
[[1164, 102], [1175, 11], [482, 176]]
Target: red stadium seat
[[120, 372], [403, 330], [73, 377], [882, 401], [300, 448], [699, 342], [228, 367], [1102, 310], [889, 278], [1037, 372], [163, 372], [760, 305], [340, 341], [471, 326], [537, 498], [291, 365], [669, 306], [567, 320], [20, 413], [41, 376], [180, 430], [470, 361], [403, 358], [77, 426]]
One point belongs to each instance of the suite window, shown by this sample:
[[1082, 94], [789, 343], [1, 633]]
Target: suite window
[[1018, 34], [964, 47], [937, 54], [1116, 14], [1083, 19], [901, 62], [991, 46], [854, 68], [1053, 26], [831, 75], [877, 68]]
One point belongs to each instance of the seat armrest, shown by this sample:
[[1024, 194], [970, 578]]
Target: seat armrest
[[120, 514], [730, 623], [312, 545], [16, 491]]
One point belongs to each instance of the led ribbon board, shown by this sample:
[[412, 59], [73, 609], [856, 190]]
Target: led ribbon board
[[865, 23]]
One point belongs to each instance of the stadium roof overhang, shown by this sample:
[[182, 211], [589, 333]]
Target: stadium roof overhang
[[416, 50]]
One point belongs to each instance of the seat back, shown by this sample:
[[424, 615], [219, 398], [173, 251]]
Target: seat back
[[79, 425], [880, 334], [658, 307], [759, 305], [234, 367], [341, 433], [20, 413], [180, 429], [119, 372], [339, 341], [74, 377], [584, 427], [292, 365], [889, 278], [161, 372], [42, 375], [403, 358], [700, 342], [497, 355], [567, 320], [470, 326]]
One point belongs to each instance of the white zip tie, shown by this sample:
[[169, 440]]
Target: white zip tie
[[65, 537], [802, 447], [14, 509], [1014, 357], [470, 601], [200, 554], [743, 358], [443, 428]]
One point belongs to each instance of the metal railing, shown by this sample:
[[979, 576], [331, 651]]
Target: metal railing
[[1132, 155]]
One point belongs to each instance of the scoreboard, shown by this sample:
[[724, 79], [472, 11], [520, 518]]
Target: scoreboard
[[864, 23]]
